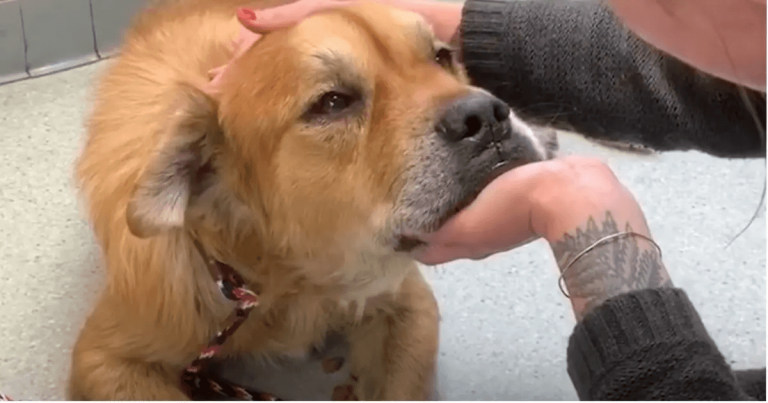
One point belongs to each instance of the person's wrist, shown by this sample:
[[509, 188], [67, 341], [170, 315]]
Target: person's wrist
[[573, 190], [575, 204], [554, 207]]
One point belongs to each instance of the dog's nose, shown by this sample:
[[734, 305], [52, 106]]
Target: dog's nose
[[475, 117]]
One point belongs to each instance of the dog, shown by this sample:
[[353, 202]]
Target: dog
[[328, 143]]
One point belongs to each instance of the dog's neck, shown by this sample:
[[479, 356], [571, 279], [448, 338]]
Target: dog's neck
[[366, 276], [349, 276]]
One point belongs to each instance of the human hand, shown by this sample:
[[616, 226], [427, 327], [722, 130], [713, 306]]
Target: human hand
[[255, 22], [544, 199], [723, 38], [571, 202], [443, 17], [245, 39]]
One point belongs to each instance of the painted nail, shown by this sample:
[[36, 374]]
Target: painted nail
[[246, 14]]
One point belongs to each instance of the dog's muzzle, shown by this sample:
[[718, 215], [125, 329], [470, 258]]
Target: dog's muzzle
[[481, 120]]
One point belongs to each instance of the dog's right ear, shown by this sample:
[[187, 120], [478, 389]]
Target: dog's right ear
[[180, 168]]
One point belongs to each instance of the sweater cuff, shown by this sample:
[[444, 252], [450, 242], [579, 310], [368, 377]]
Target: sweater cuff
[[483, 47], [624, 325]]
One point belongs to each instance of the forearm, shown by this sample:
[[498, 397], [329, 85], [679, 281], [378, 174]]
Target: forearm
[[752, 382], [637, 338], [573, 65], [614, 267]]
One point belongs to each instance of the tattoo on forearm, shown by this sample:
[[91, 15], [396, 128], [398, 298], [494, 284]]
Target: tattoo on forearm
[[613, 268]]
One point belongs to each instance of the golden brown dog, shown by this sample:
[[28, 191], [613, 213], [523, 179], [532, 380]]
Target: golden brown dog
[[327, 144]]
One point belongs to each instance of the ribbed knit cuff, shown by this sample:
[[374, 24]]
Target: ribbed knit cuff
[[752, 382], [626, 324], [484, 24]]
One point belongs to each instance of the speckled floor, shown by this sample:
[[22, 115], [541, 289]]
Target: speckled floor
[[505, 325]]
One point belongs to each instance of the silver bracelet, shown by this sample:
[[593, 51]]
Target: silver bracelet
[[561, 279]]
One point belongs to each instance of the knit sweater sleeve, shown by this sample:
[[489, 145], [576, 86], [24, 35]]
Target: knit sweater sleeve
[[649, 345], [573, 65]]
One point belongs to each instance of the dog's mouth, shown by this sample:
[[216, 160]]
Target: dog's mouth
[[409, 242], [499, 169]]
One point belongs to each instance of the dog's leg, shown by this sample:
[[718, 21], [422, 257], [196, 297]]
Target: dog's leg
[[393, 353], [114, 360], [120, 379]]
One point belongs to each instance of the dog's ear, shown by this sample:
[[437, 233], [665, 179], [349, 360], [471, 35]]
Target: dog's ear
[[179, 169]]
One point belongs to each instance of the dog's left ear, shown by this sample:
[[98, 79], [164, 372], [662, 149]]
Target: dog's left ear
[[180, 168]]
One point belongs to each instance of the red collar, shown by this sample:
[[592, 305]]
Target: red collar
[[198, 384]]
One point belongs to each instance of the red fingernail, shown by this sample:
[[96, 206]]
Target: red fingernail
[[246, 14]]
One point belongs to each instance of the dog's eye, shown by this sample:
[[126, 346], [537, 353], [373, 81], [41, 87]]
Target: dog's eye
[[332, 103], [444, 57]]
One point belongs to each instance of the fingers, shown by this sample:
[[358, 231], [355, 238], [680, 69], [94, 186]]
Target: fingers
[[213, 73], [263, 21], [438, 254], [247, 18], [245, 43], [241, 46]]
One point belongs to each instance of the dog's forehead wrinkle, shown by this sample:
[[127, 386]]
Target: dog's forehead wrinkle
[[331, 58], [357, 39], [378, 38], [339, 66], [412, 23], [425, 41], [426, 34]]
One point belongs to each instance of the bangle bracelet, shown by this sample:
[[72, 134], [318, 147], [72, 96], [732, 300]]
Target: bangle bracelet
[[605, 239]]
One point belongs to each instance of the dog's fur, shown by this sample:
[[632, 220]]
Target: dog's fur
[[309, 208]]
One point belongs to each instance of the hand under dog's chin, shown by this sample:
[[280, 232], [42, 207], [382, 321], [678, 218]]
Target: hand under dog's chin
[[423, 232], [411, 240]]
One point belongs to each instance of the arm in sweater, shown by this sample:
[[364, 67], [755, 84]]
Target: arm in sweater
[[572, 64], [652, 345]]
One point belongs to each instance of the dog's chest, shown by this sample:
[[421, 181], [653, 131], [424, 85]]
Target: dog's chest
[[368, 279]]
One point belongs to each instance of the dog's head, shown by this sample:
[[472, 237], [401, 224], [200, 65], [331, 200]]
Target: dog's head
[[347, 131]]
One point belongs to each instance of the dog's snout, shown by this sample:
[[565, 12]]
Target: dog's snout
[[471, 116]]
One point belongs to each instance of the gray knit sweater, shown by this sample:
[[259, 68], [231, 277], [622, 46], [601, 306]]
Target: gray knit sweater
[[572, 64]]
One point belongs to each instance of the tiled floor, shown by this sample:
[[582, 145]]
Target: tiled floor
[[505, 325]]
